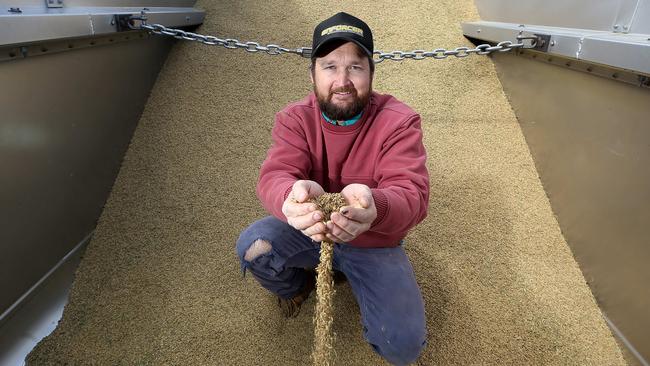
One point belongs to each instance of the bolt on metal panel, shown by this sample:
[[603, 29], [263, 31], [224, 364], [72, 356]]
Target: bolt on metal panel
[[54, 3], [624, 16]]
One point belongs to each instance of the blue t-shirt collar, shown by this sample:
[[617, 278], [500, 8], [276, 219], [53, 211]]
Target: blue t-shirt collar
[[348, 122]]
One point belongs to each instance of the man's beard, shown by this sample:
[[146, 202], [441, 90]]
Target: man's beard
[[342, 113]]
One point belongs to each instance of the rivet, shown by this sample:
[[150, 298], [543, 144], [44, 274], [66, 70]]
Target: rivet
[[644, 80]]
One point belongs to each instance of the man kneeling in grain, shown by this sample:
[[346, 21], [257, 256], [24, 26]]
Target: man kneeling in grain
[[345, 138]]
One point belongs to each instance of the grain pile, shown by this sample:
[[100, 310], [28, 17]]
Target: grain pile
[[160, 282]]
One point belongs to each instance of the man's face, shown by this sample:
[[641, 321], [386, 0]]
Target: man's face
[[342, 82]]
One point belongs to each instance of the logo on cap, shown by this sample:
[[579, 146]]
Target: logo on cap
[[342, 28]]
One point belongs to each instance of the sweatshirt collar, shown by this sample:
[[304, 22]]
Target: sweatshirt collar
[[348, 122]]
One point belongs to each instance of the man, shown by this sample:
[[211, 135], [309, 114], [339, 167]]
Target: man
[[345, 138]]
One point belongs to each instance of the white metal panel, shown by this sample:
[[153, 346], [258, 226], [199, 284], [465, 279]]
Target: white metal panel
[[618, 50], [641, 21], [36, 24], [112, 3], [585, 14]]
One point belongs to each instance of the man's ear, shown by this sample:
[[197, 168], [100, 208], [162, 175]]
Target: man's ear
[[311, 73]]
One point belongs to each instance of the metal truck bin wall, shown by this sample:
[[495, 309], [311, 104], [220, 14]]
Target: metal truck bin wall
[[587, 126], [71, 95]]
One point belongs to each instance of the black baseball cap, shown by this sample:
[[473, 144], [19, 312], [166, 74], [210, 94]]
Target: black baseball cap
[[342, 26]]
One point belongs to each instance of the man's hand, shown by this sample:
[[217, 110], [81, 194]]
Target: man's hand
[[302, 214], [355, 219]]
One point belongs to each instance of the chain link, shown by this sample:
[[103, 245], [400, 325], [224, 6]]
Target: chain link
[[229, 43], [273, 49]]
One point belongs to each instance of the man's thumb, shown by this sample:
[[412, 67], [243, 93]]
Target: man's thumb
[[300, 191]]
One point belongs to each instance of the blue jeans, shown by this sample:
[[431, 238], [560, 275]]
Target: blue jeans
[[391, 306]]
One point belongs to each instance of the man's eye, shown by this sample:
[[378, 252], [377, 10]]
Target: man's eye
[[330, 67]]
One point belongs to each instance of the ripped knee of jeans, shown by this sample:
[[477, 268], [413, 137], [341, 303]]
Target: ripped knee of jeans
[[258, 248]]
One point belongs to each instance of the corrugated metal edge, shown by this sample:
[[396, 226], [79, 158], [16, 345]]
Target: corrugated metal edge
[[38, 25], [622, 51]]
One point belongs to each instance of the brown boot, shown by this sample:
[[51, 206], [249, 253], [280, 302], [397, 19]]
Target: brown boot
[[291, 307]]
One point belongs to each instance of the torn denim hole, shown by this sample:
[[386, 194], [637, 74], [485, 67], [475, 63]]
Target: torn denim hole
[[266, 264], [261, 261], [244, 264]]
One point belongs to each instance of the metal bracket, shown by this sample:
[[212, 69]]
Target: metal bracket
[[126, 22], [122, 22], [540, 42], [54, 3]]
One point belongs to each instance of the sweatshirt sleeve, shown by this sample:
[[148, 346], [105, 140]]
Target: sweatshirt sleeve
[[402, 193], [286, 161]]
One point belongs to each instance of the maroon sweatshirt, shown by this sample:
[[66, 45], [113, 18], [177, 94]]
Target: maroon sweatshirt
[[382, 150]]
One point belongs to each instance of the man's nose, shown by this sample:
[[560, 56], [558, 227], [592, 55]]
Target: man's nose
[[343, 77]]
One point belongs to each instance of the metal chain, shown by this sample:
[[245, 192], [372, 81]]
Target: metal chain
[[273, 49], [441, 53]]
